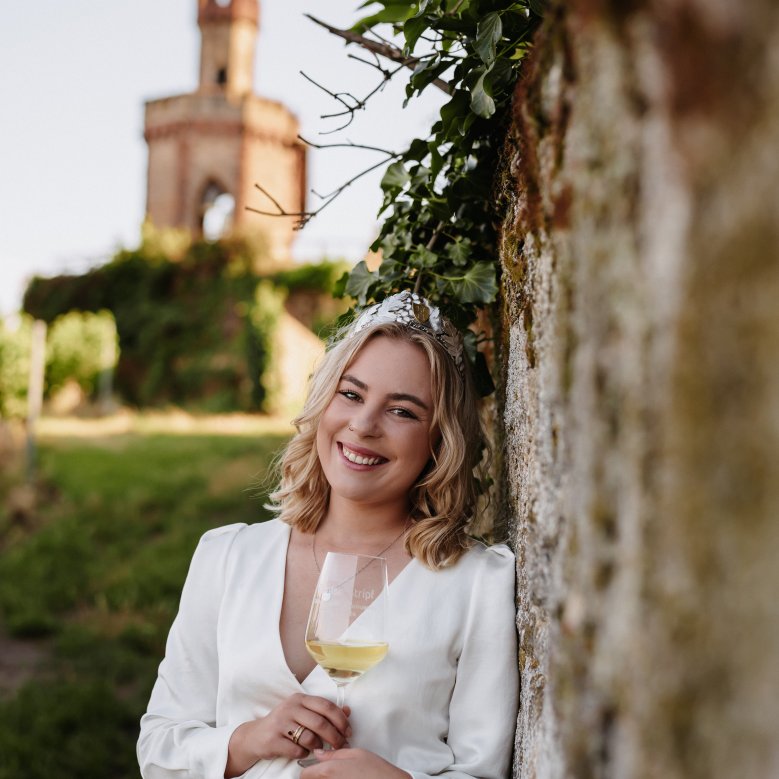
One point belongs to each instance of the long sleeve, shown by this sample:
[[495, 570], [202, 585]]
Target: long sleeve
[[179, 737], [483, 707]]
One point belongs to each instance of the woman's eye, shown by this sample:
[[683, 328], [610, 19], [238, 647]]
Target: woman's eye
[[349, 394], [403, 412]]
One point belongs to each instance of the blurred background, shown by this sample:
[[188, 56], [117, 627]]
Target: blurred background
[[156, 335]]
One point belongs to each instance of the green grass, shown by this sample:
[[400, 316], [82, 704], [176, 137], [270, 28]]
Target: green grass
[[95, 578]]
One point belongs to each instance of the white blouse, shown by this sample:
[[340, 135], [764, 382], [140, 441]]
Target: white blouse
[[443, 701]]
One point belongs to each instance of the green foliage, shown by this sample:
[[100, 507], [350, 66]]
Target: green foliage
[[94, 582], [264, 315], [311, 277], [180, 321], [70, 730], [80, 346], [14, 367], [440, 231]]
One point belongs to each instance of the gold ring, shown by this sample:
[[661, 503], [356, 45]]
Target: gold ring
[[297, 734]]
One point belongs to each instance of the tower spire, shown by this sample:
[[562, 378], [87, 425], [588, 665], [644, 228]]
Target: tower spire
[[228, 32]]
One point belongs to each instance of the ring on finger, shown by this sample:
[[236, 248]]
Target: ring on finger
[[296, 734]]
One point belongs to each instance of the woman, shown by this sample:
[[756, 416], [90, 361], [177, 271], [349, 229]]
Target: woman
[[382, 464]]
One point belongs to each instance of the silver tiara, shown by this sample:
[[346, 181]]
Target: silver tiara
[[414, 311]]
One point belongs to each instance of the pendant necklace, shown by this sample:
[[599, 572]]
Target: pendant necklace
[[328, 593]]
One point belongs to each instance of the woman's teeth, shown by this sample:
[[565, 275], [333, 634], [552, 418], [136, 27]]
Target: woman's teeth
[[358, 459]]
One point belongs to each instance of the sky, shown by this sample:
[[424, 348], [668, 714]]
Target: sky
[[73, 79]]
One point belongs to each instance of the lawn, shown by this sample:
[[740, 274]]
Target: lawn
[[90, 576]]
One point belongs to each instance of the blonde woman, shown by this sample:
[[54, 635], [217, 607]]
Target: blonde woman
[[382, 464]]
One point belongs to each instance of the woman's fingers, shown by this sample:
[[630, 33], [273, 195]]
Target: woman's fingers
[[306, 722], [310, 740], [322, 727], [328, 711]]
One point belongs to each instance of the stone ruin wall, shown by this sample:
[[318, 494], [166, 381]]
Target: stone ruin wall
[[640, 395]]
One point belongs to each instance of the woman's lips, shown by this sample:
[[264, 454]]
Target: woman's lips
[[360, 457]]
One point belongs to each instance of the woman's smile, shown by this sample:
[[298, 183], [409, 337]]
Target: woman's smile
[[356, 455]]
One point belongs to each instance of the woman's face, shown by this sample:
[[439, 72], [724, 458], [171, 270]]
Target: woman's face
[[374, 437]]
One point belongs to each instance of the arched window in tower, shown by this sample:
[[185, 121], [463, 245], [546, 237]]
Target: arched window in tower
[[218, 207], [223, 3]]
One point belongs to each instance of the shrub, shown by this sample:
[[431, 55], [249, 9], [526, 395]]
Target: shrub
[[14, 366], [80, 346]]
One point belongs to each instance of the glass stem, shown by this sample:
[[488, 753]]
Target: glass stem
[[340, 695]]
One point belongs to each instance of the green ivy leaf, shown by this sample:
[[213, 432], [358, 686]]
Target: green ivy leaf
[[477, 284], [412, 29], [488, 33], [425, 258], [360, 282], [339, 288], [452, 113], [459, 251], [482, 103], [392, 13], [395, 177]]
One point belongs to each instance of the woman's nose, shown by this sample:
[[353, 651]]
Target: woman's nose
[[365, 422]]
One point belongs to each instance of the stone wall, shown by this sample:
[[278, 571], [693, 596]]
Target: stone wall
[[640, 352]]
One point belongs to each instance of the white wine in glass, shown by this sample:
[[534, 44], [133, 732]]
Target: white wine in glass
[[346, 632]]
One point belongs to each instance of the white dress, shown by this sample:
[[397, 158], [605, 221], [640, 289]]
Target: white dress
[[443, 701]]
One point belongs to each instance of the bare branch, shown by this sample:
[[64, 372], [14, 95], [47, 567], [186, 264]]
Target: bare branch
[[351, 181], [386, 50], [355, 103], [274, 201], [339, 96], [434, 237], [348, 145], [304, 217]]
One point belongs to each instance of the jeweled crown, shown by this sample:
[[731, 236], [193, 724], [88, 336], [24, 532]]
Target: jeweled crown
[[414, 311]]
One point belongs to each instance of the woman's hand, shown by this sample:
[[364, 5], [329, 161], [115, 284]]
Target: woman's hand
[[351, 764], [271, 736]]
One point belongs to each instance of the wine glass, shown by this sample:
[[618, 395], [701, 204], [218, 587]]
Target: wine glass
[[346, 632]]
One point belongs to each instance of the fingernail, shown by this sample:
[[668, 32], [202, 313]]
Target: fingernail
[[319, 752], [348, 732]]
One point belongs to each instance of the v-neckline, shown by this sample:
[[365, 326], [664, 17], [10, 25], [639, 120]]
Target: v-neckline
[[284, 552]]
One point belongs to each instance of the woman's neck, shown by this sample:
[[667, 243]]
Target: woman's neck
[[347, 524]]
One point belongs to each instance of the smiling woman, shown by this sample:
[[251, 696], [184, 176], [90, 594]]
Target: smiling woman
[[382, 465]]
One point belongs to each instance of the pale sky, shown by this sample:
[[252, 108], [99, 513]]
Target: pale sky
[[73, 78]]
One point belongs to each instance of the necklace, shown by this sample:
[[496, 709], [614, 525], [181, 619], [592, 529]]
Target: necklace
[[386, 549]]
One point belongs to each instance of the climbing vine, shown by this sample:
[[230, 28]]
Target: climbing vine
[[439, 233]]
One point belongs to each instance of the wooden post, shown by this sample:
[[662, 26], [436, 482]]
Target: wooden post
[[106, 378], [35, 390]]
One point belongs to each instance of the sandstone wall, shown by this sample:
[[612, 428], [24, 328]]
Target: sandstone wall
[[641, 390]]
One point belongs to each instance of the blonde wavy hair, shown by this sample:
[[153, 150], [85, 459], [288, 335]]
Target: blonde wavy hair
[[443, 500]]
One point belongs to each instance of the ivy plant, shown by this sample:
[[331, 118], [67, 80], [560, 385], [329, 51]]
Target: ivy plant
[[439, 230]]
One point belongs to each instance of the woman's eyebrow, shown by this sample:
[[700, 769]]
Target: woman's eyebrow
[[351, 379], [411, 398], [392, 396]]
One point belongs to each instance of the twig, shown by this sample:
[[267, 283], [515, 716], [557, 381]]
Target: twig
[[351, 181], [335, 95], [386, 50], [348, 145], [434, 237]]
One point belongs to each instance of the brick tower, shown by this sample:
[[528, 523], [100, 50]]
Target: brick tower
[[208, 148]]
